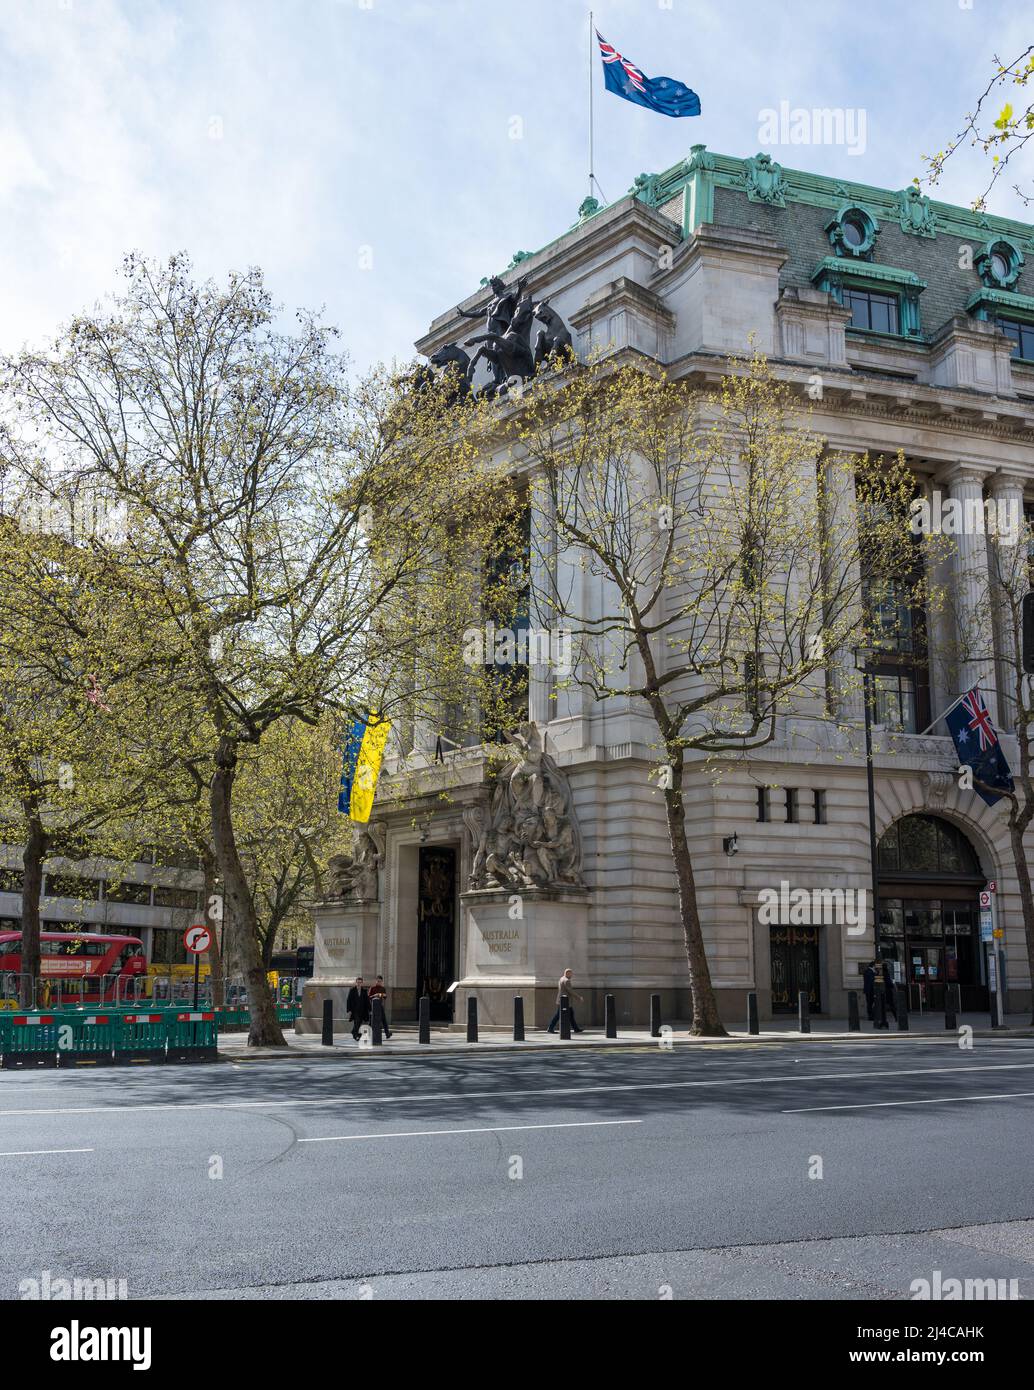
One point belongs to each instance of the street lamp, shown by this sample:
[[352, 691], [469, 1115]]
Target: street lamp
[[862, 658]]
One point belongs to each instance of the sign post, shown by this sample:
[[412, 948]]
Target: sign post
[[197, 939]]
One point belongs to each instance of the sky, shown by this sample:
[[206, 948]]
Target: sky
[[377, 158]]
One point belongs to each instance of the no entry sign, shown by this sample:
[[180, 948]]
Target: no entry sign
[[197, 939]]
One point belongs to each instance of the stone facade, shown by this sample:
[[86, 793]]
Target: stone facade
[[689, 267]]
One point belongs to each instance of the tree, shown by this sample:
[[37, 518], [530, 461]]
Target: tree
[[78, 770], [733, 564], [1004, 135], [294, 543]]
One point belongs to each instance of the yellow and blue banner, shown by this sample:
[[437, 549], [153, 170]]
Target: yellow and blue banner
[[361, 761]]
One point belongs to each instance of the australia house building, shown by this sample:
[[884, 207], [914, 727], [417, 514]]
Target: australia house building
[[916, 321]]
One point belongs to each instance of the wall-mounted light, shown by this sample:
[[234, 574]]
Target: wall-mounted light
[[731, 844]]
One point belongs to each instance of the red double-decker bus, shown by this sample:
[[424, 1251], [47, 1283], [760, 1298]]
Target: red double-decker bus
[[76, 965]]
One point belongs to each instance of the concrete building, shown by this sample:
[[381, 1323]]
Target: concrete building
[[153, 901], [918, 320]]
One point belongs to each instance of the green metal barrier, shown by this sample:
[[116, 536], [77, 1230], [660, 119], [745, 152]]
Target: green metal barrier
[[28, 1040], [192, 1036]]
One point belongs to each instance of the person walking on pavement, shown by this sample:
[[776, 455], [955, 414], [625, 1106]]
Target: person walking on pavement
[[869, 986], [358, 1006], [377, 991], [888, 989], [564, 988]]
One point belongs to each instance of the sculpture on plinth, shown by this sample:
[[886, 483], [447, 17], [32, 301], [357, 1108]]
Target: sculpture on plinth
[[354, 875], [528, 838]]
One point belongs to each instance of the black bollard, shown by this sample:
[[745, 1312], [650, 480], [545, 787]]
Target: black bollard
[[902, 1005], [610, 1017], [518, 1018], [854, 1023], [951, 1018], [803, 1012], [655, 1015], [472, 1018], [565, 1017], [328, 1023], [995, 1021], [753, 1026], [424, 1019], [377, 1020]]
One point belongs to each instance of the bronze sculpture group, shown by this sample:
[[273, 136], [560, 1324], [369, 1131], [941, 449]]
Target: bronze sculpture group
[[509, 345]]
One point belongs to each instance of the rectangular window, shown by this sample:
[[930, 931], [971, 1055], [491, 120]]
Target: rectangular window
[[895, 701], [58, 885], [763, 803], [793, 809], [1021, 335], [128, 893], [820, 807], [167, 948], [177, 897], [876, 313]]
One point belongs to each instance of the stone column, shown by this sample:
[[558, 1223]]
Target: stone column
[[970, 584], [1008, 559]]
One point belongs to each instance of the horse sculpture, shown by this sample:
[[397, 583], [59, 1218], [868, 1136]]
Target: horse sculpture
[[555, 338], [507, 354]]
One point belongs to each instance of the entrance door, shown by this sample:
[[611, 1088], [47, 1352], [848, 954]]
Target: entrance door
[[436, 928], [795, 967]]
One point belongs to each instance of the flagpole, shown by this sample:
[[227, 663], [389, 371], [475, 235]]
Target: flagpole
[[591, 170], [944, 714]]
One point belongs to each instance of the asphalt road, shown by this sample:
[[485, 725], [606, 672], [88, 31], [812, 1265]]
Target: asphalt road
[[640, 1173]]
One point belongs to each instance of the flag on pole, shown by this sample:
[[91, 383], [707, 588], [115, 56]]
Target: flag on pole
[[361, 761], [977, 745], [661, 94]]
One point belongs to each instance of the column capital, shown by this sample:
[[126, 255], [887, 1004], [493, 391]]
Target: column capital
[[960, 475], [1004, 482]]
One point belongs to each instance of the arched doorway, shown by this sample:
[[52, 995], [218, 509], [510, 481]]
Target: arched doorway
[[930, 880]]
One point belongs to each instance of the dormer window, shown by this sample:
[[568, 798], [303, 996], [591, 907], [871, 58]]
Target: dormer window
[[999, 264], [853, 232]]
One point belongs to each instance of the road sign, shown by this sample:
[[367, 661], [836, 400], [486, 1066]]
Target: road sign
[[985, 901], [998, 933], [197, 939], [992, 886]]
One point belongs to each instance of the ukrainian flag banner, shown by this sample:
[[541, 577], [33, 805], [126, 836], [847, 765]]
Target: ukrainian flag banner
[[360, 766]]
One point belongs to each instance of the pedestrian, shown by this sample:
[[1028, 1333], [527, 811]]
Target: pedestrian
[[564, 989], [377, 991], [358, 1006], [888, 989], [869, 986]]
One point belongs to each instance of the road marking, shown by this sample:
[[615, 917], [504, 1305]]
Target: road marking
[[26, 1153], [801, 1077], [888, 1104], [488, 1129]]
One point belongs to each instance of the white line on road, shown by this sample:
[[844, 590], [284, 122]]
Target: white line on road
[[26, 1153], [889, 1104], [800, 1078], [488, 1129]]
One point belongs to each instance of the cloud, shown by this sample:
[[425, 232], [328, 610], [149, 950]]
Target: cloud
[[379, 158]]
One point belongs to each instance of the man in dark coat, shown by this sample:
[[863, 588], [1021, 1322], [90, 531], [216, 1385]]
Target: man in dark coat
[[869, 986], [358, 1006]]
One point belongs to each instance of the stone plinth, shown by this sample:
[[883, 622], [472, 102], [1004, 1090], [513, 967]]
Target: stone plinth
[[345, 946], [521, 943]]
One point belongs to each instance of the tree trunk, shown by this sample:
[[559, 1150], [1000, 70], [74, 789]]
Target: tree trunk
[[240, 913], [32, 889], [706, 1023], [1019, 854]]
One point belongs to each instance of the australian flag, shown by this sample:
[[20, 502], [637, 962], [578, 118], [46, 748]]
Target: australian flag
[[661, 94], [976, 743]]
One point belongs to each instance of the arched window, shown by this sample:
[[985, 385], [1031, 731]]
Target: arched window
[[928, 847]]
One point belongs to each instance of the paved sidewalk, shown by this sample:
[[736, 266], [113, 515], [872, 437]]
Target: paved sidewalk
[[403, 1041]]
